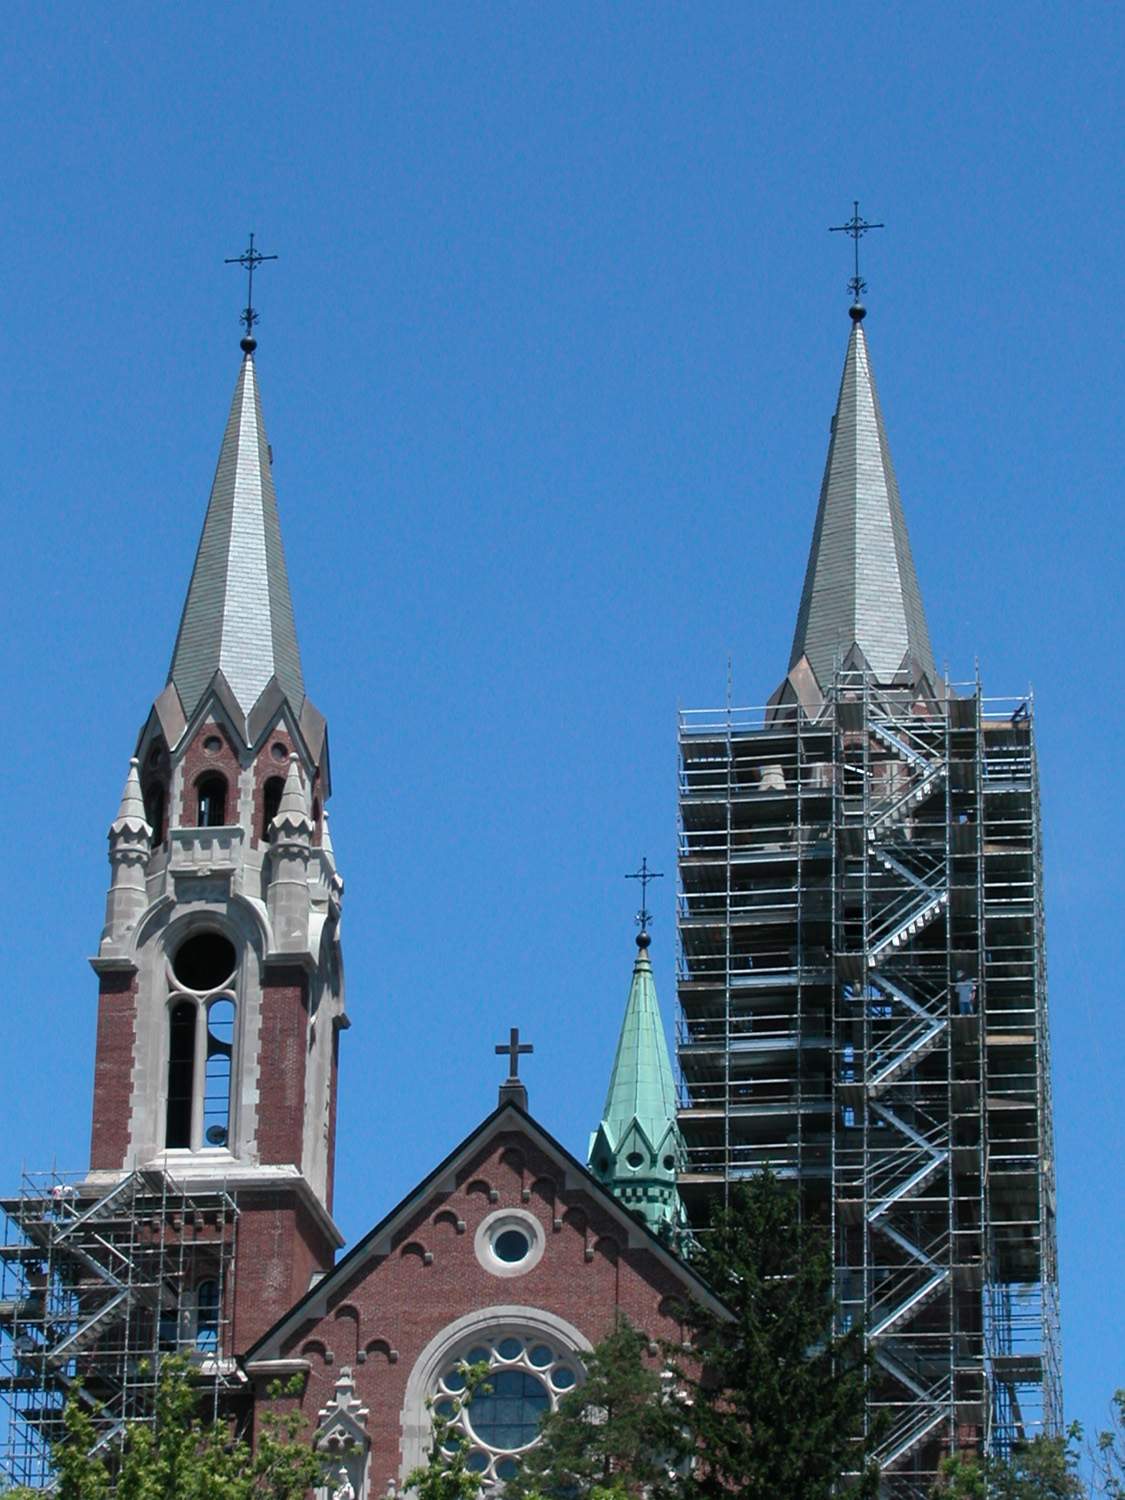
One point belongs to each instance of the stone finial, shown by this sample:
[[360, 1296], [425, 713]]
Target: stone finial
[[131, 823], [293, 818]]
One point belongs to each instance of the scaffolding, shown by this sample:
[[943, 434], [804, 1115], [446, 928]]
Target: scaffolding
[[96, 1288], [862, 994]]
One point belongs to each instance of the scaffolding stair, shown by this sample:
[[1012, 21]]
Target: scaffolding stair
[[909, 1186], [894, 742], [923, 1043], [84, 1335], [900, 807], [901, 1372], [911, 1305], [908, 926], [912, 1434]]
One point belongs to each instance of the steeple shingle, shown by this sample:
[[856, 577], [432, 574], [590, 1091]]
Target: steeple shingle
[[238, 618], [861, 605]]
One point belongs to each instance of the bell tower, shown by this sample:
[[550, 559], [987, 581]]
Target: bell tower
[[221, 983]]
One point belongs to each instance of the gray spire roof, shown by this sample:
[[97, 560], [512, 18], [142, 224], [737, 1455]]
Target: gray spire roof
[[860, 587], [238, 618]]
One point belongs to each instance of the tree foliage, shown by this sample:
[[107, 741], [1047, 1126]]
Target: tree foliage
[[445, 1475], [613, 1437], [182, 1456], [773, 1402], [1047, 1468]]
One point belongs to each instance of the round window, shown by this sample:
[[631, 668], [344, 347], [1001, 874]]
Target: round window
[[635, 1160], [526, 1380], [511, 1246], [212, 744], [204, 962], [509, 1242]]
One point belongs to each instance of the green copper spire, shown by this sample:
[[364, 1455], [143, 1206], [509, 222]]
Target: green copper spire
[[636, 1149]]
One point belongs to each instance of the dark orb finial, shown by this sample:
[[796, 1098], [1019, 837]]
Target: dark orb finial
[[857, 312], [643, 940], [248, 344]]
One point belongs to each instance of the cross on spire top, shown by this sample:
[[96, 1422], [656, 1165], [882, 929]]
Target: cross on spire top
[[515, 1049], [857, 227], [513, 1090], [250, 258], [644, 916]]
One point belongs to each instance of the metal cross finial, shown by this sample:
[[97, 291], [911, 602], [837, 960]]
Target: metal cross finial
[[644, 875], [249, 258], [515, 1050], [857, 228]]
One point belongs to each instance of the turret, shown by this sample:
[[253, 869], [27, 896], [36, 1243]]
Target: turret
[[636, 1149], [130, 845]]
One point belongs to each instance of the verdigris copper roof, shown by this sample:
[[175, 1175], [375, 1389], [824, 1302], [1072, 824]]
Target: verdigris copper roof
[[238, 618], [861, 590], [641, 1086]]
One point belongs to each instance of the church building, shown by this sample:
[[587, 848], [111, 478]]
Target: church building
[[204, 1224], [863, 1010]]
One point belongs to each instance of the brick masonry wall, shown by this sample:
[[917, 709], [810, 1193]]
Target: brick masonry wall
[[196, 761], [279, 1248], [381, 1318], [266, 766], [281, 1064], [113, 1070]]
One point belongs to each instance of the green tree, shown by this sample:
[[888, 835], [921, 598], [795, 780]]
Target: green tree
[[773, 1402], [445, 1475], [1043, 1469], [1107, 1453], [182, 1456], [613, 1437]]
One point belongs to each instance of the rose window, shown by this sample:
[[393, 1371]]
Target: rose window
[[528, 1374]]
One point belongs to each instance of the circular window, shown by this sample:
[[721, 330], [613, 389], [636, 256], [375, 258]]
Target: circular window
[[506, 1414], [526, 1380], [511, 1245], [212, 744], [634, 1160], [509, 1242], [279, 751], [669, 1163], [204, 962]]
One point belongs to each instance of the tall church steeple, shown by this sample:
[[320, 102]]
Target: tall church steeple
[[238, 616], [220, 967], [861, 607], [636, 1149]]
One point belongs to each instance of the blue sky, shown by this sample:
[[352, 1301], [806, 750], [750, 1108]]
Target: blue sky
[[547, 365]]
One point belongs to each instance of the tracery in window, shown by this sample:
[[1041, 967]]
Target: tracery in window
[[201, 1043], [528, 1374]]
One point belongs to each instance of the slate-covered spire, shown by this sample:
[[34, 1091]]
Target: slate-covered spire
[[636, 1148], [861, 606], [238, 618]]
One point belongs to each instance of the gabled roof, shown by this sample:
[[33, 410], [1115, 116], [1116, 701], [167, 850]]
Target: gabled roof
[[238, 617], [378, 1241], [861, 605]]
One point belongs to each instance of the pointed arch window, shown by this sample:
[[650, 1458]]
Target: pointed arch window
[[181, 1073], [271, 801], [216, 1087], [202, 1029], [211, 803], [207, 1316], [154, 811]]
